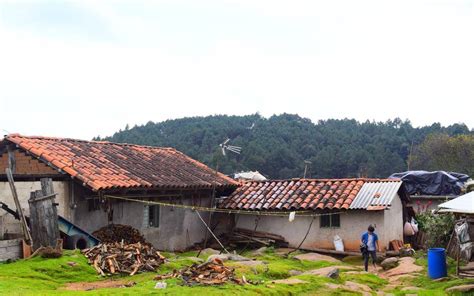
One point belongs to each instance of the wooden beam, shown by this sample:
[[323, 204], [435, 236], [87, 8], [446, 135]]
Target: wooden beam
[[44, 216], [24, 225], [11, 159]]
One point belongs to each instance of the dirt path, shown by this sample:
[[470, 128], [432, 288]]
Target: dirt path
[[87, 286]]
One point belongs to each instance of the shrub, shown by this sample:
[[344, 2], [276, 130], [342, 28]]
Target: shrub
[[437, 227]]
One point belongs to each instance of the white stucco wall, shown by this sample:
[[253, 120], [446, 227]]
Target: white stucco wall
[[178, 228], [388, 223], [24, 188], [393, 223]]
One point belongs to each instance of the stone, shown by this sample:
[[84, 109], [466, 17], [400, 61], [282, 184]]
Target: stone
[[325, 270], [195, 259], [289, 281], [283, 251], [461, 288], [410, 289], [210, 251], [357, 287], [333, 274], [254, 265], [226, 257], [259, 252], [294, 272], [389, 263], [316, 257], [406, 265]]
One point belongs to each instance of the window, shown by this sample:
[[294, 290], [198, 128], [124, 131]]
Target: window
[[154, 216], [331, 220]]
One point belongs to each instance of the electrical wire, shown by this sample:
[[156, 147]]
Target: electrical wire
[[218, 210]]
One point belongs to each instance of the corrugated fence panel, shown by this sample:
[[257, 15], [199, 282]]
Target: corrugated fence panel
[[376, 194]]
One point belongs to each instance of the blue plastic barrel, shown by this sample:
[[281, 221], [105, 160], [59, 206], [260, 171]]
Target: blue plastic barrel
[[437, 263]]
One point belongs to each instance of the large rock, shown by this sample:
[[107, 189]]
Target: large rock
[[289, 281], [225, 257], [333, 274], [325, 270], [210, 251], [316, 257], [462, 288], [259, 252], [389, 263]]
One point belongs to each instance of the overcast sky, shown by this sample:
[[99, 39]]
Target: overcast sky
[[81, 69]]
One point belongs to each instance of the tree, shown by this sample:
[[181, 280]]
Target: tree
[[444, 152], [278, 146]]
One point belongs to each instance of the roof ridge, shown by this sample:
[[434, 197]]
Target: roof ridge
[[59, 139], [328, 179]]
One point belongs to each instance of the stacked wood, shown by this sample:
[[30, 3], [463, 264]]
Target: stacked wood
[[111, 258], [118, 232], [242, 236], [209, 273]]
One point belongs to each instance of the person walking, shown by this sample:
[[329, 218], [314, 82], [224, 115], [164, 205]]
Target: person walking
[[370, 245]]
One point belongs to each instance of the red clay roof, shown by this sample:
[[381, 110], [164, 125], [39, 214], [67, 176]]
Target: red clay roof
[[106, 165], [298, 194]]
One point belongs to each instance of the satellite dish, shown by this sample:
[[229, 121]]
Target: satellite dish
[[224, 146]]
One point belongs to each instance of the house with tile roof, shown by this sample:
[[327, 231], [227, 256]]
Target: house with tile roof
[[327, 207], [98, 183]]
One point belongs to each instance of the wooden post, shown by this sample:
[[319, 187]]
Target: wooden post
[[44, 216], [24, 225]]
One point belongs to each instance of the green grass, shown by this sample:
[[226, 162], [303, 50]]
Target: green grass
[[39, 276]]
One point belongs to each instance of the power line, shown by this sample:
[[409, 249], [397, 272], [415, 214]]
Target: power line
[[217, 210]]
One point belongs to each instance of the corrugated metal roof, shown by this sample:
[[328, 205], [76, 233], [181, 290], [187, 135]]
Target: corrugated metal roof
[[376, 194]]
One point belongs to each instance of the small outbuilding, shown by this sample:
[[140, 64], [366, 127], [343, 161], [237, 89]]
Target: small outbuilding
[[342, 207], [99, 183]]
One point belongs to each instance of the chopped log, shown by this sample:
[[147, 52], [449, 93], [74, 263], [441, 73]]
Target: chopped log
[[128, 259]]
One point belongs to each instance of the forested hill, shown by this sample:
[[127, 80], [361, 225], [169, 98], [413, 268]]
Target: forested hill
[[279, 145]]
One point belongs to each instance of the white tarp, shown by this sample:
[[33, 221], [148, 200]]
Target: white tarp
[[461, 204]]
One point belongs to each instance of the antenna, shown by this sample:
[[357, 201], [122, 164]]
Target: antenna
[[307, 164], [224, 146]]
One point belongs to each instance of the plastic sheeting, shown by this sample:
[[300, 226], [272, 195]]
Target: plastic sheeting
[[462, 204], [465, 244], [432, 183]]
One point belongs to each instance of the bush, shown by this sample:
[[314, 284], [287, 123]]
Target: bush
[[438, 228]]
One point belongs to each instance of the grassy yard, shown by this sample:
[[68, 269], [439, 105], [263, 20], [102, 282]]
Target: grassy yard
[[40, 276]]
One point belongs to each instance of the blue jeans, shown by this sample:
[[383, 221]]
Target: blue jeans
[[373, 254]]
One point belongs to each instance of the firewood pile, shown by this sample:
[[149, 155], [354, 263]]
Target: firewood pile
[[118, 232], [112, 258], [209, 273], [253, 239]]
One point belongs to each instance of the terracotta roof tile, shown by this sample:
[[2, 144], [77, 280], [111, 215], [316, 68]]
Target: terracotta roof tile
[[301, 194], [105, 165]]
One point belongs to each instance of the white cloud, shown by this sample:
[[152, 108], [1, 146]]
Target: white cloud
[[363, 60]]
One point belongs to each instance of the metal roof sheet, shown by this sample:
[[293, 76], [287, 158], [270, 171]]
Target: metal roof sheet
[[376, 194]]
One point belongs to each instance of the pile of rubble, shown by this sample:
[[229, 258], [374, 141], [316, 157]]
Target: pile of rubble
[[209, 273], [111, 258], [117, 233]]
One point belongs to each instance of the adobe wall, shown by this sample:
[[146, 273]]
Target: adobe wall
[[10, 249]]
